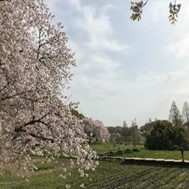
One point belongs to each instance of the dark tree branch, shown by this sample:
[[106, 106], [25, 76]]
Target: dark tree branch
[[14, 95], [145, 3], [5, 86], [33, 121], [41, 137]]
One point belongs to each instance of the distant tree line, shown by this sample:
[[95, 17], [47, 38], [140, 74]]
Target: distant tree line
[[125, 134], [171, 134]]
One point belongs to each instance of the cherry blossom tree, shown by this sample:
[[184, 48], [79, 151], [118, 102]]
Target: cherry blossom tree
[[95, 130], [34, 72]]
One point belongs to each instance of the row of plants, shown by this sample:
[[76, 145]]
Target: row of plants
[[111, 146], [108, 175], [118, 152]]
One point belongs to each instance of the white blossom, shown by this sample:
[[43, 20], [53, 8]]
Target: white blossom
[[34, 72], [95, 130]]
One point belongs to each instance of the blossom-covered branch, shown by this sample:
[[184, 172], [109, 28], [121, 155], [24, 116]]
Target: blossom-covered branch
[[34, 72]]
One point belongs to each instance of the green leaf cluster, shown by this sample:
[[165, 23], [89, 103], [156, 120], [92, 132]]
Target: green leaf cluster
[[77, 114], [173, 10], [136, 8]]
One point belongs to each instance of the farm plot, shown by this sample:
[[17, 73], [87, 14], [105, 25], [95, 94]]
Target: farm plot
[[112, 176], [108, 175]]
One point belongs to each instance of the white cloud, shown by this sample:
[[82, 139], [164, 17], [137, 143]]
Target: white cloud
[[97, 27], [179, 47], [178, 37], [158, 10], [102, 80]]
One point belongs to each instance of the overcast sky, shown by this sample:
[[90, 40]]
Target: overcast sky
[[126, 69]]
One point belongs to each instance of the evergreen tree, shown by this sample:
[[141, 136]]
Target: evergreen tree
[[134, 133], [174, 115], [150, 120], [185, 113], [124, 124]]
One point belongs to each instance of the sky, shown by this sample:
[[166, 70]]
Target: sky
[[125, 69]]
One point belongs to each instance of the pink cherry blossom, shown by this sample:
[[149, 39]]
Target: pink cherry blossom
[[34, 72]]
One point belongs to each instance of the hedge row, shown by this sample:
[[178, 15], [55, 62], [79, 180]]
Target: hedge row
[[118, 152]]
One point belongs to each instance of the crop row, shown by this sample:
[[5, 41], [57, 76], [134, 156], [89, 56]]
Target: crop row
[[139, 177], [111, 175], [108, 175]]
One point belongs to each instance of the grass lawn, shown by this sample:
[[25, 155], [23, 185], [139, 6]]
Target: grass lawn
[[107, 146], [100, 148], [157, 154]]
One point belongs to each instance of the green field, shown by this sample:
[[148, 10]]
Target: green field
[[103, 147], [100, 148], [109, 175], [157, 154]]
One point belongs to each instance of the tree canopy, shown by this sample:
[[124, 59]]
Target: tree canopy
[[165, 136], [95, 130], [34, 72]]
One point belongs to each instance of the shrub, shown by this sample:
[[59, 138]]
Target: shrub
[[165, 136]]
